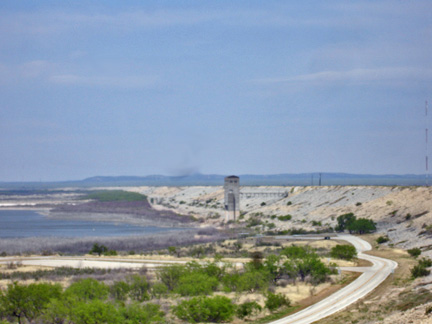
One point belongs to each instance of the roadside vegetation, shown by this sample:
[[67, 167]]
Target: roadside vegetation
[[196, 292]]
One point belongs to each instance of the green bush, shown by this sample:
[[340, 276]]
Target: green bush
[[194, 284], [170, 275], [285, 218], [345, 252], [138, 288], [119, 290], [414, 252], [88, 289], [29, 301], [248, 309], [276, 301], [205, 309], [382, 239], [95, 312], [98, 249], [296, 252], [425, 262], [141, 314], [419, 271]]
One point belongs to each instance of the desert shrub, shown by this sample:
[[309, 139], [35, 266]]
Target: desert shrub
[[276, 301], [205, 309], [98, 249], [194, 284], [248, 309], [419, 271], [119, 290], [88, 289], [285, 218], [289, 203], [414, 252], [252, 281], [263, 204], [345, 252], [138, 288], [253, 221], [425, 262], [141, 314], [315, 223], [158, 290], [170, 275], [95, 312], [29, 301], [382, 239], [296, 252]]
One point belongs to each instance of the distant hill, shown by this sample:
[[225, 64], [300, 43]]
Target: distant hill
[[302, 179]]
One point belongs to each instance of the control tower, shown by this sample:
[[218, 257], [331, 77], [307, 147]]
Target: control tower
[[232, 197]]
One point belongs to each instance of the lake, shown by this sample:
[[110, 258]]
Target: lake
[[29, 223]]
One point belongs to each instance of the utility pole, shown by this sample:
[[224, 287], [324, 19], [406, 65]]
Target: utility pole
[[426, 143]]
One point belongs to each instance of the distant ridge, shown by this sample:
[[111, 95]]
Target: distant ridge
[[285, 179]]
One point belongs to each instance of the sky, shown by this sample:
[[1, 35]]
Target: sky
[[109, 88]]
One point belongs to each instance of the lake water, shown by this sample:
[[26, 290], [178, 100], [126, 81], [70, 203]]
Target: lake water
[[28, 223]]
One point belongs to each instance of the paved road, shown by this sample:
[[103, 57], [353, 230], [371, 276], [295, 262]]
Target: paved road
[[368, 281]]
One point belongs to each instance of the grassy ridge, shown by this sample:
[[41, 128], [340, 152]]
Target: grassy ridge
[[115, 195]]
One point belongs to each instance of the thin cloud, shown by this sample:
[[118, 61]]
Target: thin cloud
[[106, 81], [354, 75]]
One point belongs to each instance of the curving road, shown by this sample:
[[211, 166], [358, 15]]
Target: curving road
[[368, 281], [371, 278]]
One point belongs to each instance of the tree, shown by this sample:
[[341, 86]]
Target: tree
[[362, 226], [88, 289], [248, 309], [296, 252], [28, 302], [344, 221], [170, 275], [271, 264], [98, 249], [119, 290], [252, 281], [345, 252], [275, 301], [141, 314], [195, 283], [205, 309], [138, 288], [95, 312]]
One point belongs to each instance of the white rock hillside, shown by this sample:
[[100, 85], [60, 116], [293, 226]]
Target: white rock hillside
[[403, 213]]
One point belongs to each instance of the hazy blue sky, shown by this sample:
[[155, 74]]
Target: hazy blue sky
[[229, 87]]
